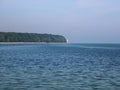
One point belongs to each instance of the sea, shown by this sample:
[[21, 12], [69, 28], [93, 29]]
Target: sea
[[60, 67]]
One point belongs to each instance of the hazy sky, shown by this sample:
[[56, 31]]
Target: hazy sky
[[78, 20]]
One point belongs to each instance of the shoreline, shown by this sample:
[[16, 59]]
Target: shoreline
[[30, 43]]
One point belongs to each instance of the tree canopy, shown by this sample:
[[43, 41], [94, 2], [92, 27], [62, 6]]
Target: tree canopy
[[30, 37]]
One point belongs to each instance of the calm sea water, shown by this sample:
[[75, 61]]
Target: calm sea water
[[60, 67]]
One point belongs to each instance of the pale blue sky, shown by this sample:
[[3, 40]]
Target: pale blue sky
[[92, 21]]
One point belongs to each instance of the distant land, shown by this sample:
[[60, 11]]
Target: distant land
[[10, 37]]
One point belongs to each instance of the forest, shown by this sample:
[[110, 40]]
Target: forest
[[31, 37]]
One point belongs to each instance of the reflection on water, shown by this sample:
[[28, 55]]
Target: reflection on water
[[59, 67]]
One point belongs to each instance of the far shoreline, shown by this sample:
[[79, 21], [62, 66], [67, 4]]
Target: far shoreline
[[32, 43]]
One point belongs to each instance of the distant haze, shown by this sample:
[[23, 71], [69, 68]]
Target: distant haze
[[80, 21]]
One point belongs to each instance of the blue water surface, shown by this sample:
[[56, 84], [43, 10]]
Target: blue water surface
[[60, 67]]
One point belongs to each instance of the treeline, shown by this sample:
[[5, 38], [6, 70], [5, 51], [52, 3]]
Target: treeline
[[30, 37]]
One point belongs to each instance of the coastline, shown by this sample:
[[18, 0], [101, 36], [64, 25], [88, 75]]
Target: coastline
[[31, 43]]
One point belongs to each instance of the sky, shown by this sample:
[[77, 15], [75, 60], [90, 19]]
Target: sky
[[80, 21]]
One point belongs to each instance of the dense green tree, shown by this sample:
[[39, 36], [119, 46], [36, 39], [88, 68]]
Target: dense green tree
[[30, 37], [1, 37]]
